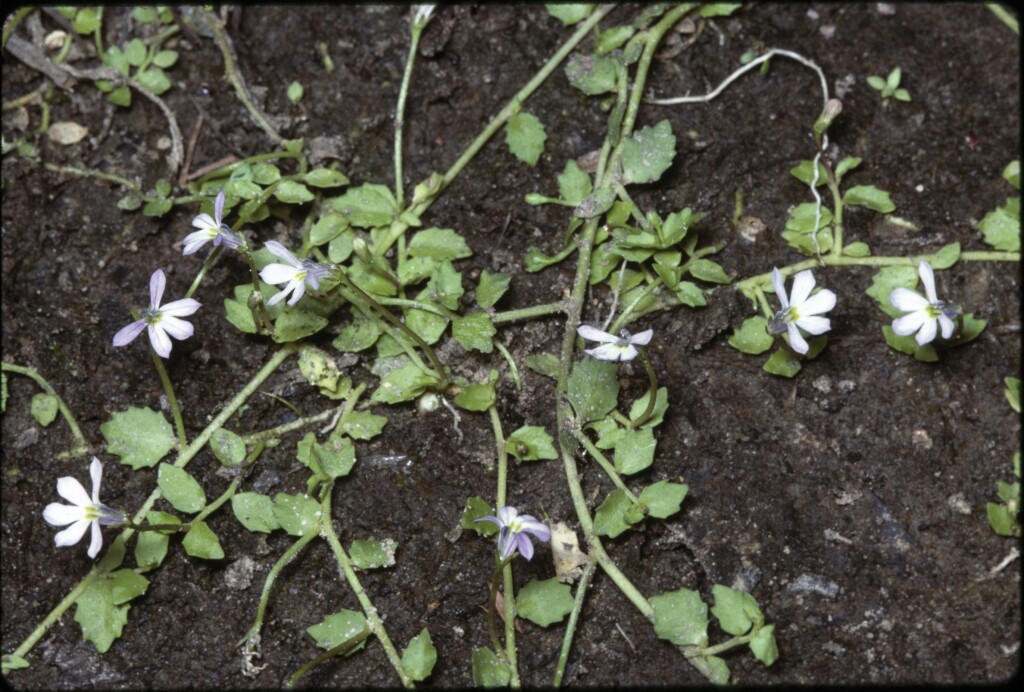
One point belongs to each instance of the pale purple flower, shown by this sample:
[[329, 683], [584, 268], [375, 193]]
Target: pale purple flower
[[83, 512], [296, 274], [211, 229], [617, 348], [160, 321], [926, 315], [512, 530], [801, 310]]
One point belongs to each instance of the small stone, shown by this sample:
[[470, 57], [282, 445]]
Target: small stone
[[814, 583]]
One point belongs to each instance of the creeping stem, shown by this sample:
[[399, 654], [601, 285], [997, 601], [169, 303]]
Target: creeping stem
[[81, 446]]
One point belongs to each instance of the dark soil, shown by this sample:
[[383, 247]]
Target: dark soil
[[850, 500]]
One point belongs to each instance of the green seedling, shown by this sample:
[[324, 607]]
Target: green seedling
[[889, 87]]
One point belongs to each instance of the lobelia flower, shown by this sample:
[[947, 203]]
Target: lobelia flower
[[512, 530], [617, 348], [926, 315], [801, 310], [83, 511], [211, 229], [160, 321], [297, 273]]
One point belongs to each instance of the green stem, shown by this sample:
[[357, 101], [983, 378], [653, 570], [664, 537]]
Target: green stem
[[511, 362], [251, 637], [509, 602], [400, 112], [278, 431], [574, 616], [345, 565], [207, 264], [81, 446], [608, 467], [1004, 16], [13, 22], [172, 400], [511, 108], [528, 313], [341, 649], [499, 444], [652, 395]]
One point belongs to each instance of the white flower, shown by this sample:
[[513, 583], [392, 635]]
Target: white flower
[[161, 321], [83, 511], [926, 314], [512, 530], [421, 15], [297, 273], [211, 229], [617, 348], [803, 311]]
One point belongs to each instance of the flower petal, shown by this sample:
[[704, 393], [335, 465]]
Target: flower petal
[[96, 473], [796, 339], [194, 241], [948, 326], [537, 528], [643, 338], [278, 273], [818, 304], [279, 250], [908, 324], [924, 270], [71, 535], [178, 328], [524, 545], [157, 283], [161, 342], [613, 352], [57, 514], [298, 288], [71, 490], [218, 208], [595, 334], [204, 221], [181, 308], [277, 298], [803, 284], [780, 287], [127, 335], [97, 540], [507, 514], [814, 324], [927, 332], [906, 300]]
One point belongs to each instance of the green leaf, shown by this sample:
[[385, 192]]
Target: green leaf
[[297, 324], [1012, 392], [333, 459], [368, 206], [445, 286], [419, 657], [681, 618], [734, 609], [719, 9], [44, 408], [763, 645], [140, 436], [536, 260], [135, 52], [360, 334], [373, 554], [165, 58], [531, 443], [869, 196], [663, 499], [648, 153], [86, 21], [634, 451], [908, 344], [782, 363], [130, 202], [706, 270], [475, 508], [570, 13], [544, 602], [476, 397], [609, 519], [297, 514], [154, 80], [1000, 519], [363, 425], [327, 228], [639, 406], [593, 388], [438, 244], [525, 137], [157, 207], [593, 74], [544, 364], [243, 188], [574, 183], [876, 82], [752, 337], [202, 542], [488, 670], [475, 332], [325, 177], [845, 166], [1001, 227], [334, 630], [804, 172], [595, 204], [228, 447], [180, 489], [151, 547], [491, 288], [946, 257], [121, 96], [295, 92], [13, 662], [689, 293], [886, 280], [255, 512], [1012, 173], [100, 609], [857, 249], [402, 384], [291, 192], [613, 38], [799, 231]]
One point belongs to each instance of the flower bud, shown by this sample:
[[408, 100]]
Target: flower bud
[[832, 110]]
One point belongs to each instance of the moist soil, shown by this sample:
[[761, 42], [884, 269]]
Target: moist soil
[[849, 500]]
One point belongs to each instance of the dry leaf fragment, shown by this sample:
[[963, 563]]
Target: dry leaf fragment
[[67, 132], [565, 548]]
